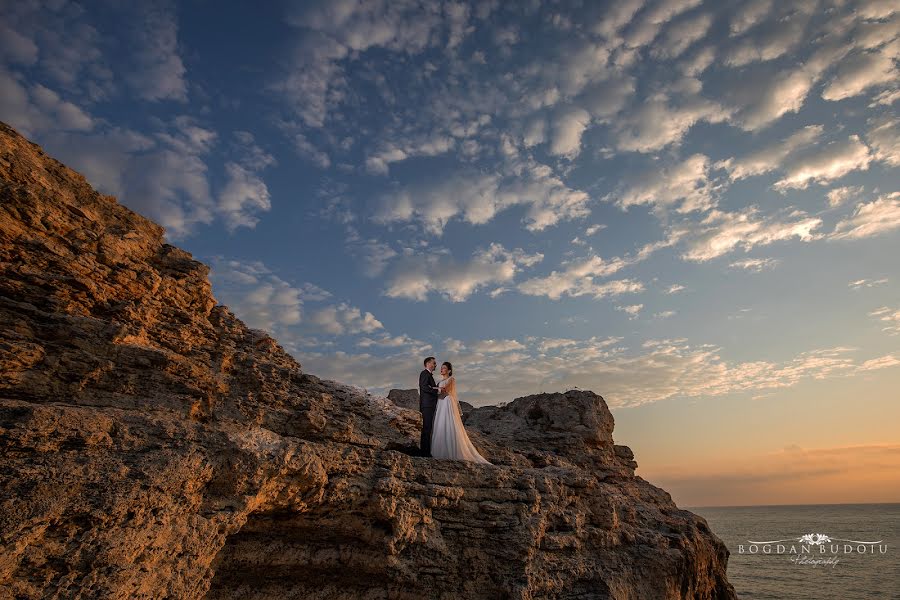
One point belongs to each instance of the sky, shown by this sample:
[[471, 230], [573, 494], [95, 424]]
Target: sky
[[691, 208]]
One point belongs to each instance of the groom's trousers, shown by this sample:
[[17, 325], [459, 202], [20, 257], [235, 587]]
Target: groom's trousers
[[427, 406]]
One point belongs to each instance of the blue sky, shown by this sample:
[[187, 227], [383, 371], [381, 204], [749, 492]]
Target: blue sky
[[651, 199]]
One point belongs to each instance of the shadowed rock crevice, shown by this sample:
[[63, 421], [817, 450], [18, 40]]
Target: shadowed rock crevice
[[282, 554], [154, 446]]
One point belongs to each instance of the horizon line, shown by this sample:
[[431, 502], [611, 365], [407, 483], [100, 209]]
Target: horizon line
[[797, 504]]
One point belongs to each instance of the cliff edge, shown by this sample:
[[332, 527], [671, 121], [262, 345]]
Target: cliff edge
[[155, 447]]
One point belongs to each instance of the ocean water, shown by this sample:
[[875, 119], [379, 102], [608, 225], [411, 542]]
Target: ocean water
[[811, 575]]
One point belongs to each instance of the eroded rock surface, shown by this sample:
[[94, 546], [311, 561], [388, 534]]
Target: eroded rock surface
[[155, 447]]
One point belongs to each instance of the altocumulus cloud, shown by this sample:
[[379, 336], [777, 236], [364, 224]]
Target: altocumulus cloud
[[548, 157]]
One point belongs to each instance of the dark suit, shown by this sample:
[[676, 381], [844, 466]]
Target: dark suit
[[428, 397]]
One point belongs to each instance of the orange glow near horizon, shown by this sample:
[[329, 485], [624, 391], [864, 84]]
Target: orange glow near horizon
[[823, 442]]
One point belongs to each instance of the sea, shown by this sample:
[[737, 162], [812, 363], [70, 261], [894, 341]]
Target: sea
[[821, 568]]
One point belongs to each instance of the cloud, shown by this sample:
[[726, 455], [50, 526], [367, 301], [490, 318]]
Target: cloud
[[379, 162], [644, 29], [721, 232], [397, 90], [884, 138], [309, 151], [889, 316], [740, 314], [310, 292], [696, 63], [615, 16], [17, 48], [406, 343], [377, 372], [256, 295], [844, 47], [882, 362], [162, 175], [772, 156], [38, 109], [684, 186], [65, 114], [748, 14], [265, 301], [565, 138], [633, 310], [375, 254], [675, 288], [333, 33], [858, 73], [570, 67], [831, 162], [838, 196], [497, 346], [243, 195], [158, 72], [758, 97], [478, 197], [605, 98], [779, 37], [877, 9], [294, 131], [415, 277], [755, 264], [803, 160], [659, 369], [535, 132], [343, 319], [659, 122], [63, 41], [861, 283], [579, 278], [315, 84], [870, 219], [58, 40], [871, 34], [885, 98], [249, 152], [679, 35], [457, 18], [547, 344]]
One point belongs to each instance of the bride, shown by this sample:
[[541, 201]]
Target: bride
[[449, 438]]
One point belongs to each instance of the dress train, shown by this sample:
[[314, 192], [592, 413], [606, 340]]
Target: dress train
[[449, 439]]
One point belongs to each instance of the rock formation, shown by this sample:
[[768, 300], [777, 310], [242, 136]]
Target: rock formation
[[155, 447]]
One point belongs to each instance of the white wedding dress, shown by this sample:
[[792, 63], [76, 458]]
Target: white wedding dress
[[449, 438]]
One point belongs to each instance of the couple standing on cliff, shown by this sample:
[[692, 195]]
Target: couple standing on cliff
[[443, 433]]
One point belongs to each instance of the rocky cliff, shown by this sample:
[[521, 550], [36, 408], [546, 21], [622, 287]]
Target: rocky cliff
[[155, 447]]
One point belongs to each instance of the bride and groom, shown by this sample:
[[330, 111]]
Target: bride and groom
[[443, 433]]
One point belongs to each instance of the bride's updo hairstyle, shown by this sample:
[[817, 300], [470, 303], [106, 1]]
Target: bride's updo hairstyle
[[449, 368]]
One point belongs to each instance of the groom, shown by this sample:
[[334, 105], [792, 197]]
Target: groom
[[428, 397]]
